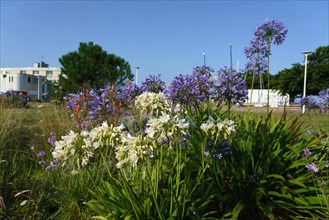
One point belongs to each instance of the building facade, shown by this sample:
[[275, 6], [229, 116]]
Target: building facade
[[258, 98], [36, 81]]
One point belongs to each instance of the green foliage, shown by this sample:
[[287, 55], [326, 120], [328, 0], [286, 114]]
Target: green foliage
[[265, 178], [91, 67], [260, 177], [291, 80]]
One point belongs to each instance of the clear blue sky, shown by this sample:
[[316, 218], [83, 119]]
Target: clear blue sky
[[162, 37]]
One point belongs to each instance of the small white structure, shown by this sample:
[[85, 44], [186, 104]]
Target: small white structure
[[258, 98], [35, 81]]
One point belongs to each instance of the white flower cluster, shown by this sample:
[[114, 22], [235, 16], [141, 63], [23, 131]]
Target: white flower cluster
[[152, 103], [81, 147], [128, 149], [102, 136], [166, 126], [215, 127], [65, 148]]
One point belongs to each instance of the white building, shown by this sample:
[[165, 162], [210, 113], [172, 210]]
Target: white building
[[36, 81], [258, 98]]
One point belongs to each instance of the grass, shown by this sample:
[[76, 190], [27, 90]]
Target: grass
[[23, 133], [313, 120]]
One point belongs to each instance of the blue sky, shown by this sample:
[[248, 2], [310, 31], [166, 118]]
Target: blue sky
[[162, 37]]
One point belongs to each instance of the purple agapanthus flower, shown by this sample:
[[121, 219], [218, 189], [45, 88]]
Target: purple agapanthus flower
[[189, 90], [53, 165], [272, 30], [129, 92], [92, 107], [230, 87], [312, 167], [207, 70], [154, 84], [52, 138], [41, 154], [324, 96], [307, 153], [257, 48], [309, 102], [256, 66]]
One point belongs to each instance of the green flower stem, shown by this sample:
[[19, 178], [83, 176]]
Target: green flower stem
[[253, 81], [129, 194], [268, 73], [153, 194]]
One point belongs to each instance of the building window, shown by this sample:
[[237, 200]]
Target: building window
[[49, 73], [28, 79], [23, 71], [35, 72]]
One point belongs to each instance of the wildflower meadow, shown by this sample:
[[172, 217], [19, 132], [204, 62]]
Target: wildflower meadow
[[175, 151]]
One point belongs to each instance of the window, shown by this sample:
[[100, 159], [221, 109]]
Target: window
[[23, 71], [49, 73], [35, 72], [29, 79]]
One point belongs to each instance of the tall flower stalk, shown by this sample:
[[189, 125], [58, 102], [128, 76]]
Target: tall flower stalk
[[230, 88], [265, 34]]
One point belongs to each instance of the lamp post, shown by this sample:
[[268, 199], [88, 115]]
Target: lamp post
[[204, 63], [204, 59], [306, 53], [231, 65], [136, 74]]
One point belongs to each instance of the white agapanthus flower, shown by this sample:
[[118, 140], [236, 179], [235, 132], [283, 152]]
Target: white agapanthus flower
[[151, 102], [216, 127], [210, 123], [65, 148], [166, 126]]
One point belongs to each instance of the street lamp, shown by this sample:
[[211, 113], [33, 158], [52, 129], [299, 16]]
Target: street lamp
[[306, 53], [136, 74], [231, 66], [204, 59], [204, 63]]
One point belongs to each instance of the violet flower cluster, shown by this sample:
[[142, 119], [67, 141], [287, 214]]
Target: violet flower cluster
[[129, 92], [257, 66], [273, 31], [94, 106], [189, 90], [309, 102], [154, 84], [207, 70], [230, 87], [324, 96], [270, 31], [322, 103]]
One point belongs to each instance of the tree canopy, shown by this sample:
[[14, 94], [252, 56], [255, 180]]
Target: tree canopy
[[291, 80], [91, 67]]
